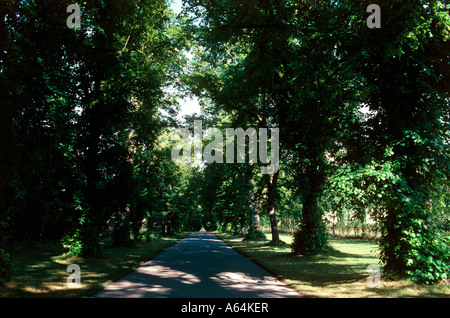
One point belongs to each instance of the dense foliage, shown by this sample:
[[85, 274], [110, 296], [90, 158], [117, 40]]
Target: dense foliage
[[363, 115], [83, 109], [310, 68]]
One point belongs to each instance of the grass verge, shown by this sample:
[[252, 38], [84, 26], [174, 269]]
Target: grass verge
[[41, 272], [339, 272]]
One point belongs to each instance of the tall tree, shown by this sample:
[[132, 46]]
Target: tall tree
[[318, 97], [239, 41], [77, 95], [406, 64]]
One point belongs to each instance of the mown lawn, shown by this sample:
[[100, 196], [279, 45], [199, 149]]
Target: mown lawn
[[41, 272], [340, 271]]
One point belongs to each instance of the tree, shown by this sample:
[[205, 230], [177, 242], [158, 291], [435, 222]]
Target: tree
[[406, 67], [233, 37], [81, 101], [316, 99]]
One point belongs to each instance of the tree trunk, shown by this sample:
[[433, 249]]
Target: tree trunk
[[271, 193], [92, 216], [7, 162], [122, 232], [251, 202], [312, 236]]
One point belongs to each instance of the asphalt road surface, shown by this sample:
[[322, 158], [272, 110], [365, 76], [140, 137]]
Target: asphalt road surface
[[199, 266]]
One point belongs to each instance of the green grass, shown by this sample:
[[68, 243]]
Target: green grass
[[339, 271], [41, 272]]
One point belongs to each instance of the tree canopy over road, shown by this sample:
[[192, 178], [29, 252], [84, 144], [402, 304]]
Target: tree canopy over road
[[363, 113]]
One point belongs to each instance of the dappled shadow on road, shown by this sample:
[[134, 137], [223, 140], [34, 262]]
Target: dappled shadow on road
[[137, 284], [262, 287], [201, 266], [164, 282]]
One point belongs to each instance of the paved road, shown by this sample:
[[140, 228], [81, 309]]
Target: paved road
[[199, 266]]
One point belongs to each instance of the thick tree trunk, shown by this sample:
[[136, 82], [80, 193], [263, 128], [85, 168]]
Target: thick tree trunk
[[312, 236], [122, 232]]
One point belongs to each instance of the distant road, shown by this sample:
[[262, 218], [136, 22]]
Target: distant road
[[199, 266]]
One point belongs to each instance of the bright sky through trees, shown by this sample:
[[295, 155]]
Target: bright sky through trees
[[189, 106]]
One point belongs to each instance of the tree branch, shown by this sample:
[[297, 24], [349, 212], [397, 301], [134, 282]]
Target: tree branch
[[126, 43]]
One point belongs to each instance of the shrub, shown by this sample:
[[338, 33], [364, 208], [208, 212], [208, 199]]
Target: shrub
[[415, 245], [72, 243], [6, 267], [255, 236], [309, 242]]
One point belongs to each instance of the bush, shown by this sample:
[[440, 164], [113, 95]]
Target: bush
[[6, 267], [150, 236], [309, 242], [72, 243], [228, 228], [255, 236], [414, 245]]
